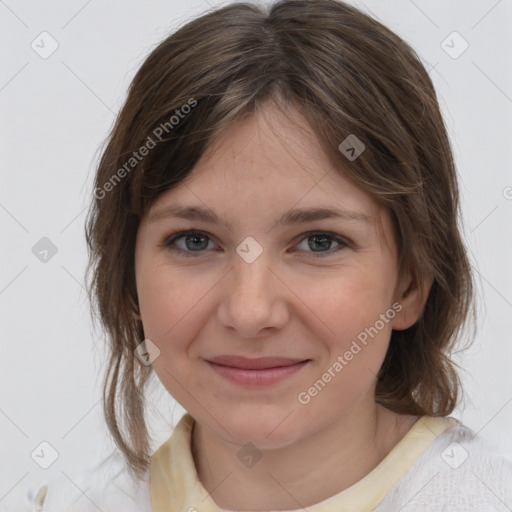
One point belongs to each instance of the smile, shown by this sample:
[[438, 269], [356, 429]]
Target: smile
[[253, 374]]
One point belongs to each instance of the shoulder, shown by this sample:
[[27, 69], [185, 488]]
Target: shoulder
[[460, 470], [108, 486]]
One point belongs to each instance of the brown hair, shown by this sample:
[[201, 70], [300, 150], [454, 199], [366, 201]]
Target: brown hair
[[347, 74]]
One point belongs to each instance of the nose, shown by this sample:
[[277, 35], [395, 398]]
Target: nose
[[254, 298]]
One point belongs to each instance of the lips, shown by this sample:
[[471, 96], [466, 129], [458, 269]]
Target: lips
[[254, 364], [256, 373]]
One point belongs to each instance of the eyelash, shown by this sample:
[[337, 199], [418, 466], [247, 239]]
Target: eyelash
[[169, 242]]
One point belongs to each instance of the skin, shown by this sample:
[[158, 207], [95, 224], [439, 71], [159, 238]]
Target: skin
[[285, 303]]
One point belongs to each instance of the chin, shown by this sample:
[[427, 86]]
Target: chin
[[266, 431]]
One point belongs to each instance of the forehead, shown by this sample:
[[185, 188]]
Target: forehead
[[272, 154], [269, 141], [268, 168]]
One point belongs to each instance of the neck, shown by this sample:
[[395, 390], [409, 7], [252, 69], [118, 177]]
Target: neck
[[305, 472]]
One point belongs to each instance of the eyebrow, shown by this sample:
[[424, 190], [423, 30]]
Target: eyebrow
[[295, 216]]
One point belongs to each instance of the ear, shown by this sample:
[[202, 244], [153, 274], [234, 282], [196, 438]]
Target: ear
[[412, 297], [136, 316]]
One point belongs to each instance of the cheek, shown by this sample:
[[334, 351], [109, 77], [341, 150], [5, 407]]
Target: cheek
[[164, 300], [356, 341], [173, 306], [170, 307], [350, 305]]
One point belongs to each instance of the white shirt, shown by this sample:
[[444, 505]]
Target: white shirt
[[439, 465]]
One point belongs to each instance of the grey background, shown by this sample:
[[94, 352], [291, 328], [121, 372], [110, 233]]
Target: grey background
[[56, 112]]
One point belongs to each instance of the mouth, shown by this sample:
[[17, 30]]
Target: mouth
[[262, 371]]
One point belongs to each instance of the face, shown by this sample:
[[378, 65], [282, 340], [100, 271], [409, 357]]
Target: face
[[305, 288]]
